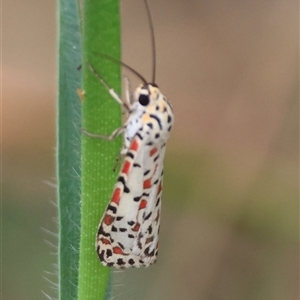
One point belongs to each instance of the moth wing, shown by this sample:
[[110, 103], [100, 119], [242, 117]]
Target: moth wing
[[128, 232]]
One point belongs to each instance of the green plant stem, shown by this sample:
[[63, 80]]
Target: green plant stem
[[100, 114], [68, 148]]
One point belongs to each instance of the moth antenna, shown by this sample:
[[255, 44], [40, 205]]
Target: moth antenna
[[152, 41], [125, 66]]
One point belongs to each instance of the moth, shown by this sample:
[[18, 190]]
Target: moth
[[128, 232]]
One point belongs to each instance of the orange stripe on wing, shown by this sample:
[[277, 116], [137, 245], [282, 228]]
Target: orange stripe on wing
[[153, 151], [126, 167], [118, 250], [134, 145], [143, 204], [108, 220], [116, 196], [136, 227], [147, 183], [105, 241]]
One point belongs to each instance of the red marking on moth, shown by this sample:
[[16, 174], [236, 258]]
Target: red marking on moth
[[153, 151], [134, 145], [117, 250], [143, 204], [147, 183], [116, 196], [105, 241], [108, 219], [126, 167], [136, 227], [159, 189], [149, 240]]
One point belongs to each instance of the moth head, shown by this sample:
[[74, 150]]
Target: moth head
[[147, 94]]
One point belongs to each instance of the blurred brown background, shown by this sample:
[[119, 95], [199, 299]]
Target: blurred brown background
[[230, 207]]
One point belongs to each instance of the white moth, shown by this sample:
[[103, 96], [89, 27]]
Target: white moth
[[128, 232]]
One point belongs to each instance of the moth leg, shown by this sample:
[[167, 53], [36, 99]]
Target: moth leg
[[128, 92], [110, 89], [111, 137], [118, 160]]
